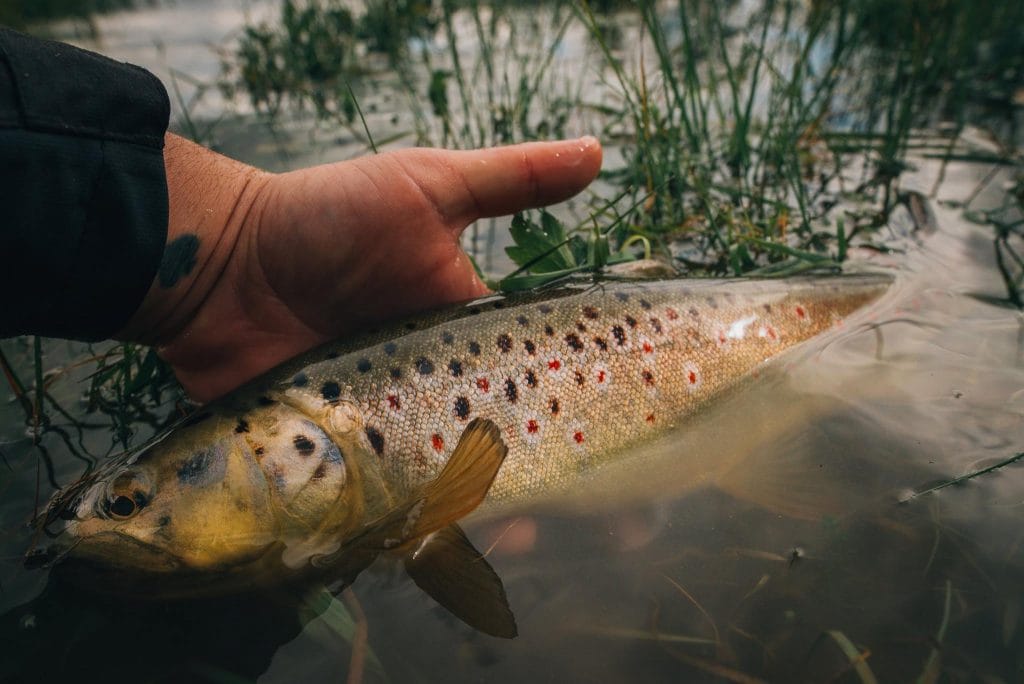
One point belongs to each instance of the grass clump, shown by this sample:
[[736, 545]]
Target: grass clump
[[304, 61]]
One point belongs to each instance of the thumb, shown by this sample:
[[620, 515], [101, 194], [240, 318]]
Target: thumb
[[467, 185]]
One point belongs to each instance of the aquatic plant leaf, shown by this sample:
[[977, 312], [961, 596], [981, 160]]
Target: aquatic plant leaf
[[856, 658], [540, 248]]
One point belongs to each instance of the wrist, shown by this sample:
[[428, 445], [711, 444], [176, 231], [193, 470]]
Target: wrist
[[211, 198]]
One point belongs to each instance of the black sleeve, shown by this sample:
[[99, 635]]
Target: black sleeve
[[83, 193]]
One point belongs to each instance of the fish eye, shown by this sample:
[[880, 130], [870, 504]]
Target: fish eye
[[127, 495], [123, 507]]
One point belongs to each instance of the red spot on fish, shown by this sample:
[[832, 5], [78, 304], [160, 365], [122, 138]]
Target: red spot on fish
[[801, 312], [692, 377], [554, 364], [671, 313], [601, 375], [578, 437], [770, 331], [650, 417], [483, 384], [648, 348], [532, 427], [437, 441], [721, 337], [394, 403]]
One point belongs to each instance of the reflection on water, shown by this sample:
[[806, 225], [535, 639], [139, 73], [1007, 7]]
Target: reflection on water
[[801, 564]]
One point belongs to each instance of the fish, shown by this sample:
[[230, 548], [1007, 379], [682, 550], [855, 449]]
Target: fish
[[380, 443]]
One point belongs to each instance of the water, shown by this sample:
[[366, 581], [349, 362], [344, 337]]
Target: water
[[660, 575]]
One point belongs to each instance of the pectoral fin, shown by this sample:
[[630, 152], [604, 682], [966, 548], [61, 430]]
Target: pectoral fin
[[463, 483], [456, 575], [459, 488]]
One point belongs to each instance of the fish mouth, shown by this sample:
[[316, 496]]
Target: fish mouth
[[99, 549]]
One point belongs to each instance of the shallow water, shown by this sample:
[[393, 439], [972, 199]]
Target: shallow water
[[659, 577]]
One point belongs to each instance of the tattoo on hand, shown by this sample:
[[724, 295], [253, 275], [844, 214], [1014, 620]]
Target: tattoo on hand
[[179, 260]]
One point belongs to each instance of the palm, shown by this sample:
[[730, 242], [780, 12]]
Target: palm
[[324, 251]]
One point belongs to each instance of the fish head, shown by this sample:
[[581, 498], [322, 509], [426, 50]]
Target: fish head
[[220, 493]]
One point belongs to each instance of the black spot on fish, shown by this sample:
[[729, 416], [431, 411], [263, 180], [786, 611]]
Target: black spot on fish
[[544, 309], [447, 338], [531, 379], [474, 348], [574, 342], [300, 379], [390, 348], [455, 368], [645, 304], [196, 419], [530, 347], [522, 320], [511, 391], [195, 467], [499, 305], [504, 343], [590, 312], [396, 373], [330, 391], [622, 296], [554, 406], [549, 331], [580, 326], [768, 308], [656, 324], [242, 426], [363, 365], [474, 310], [694, 313], [376, 439], [711, 302], [303, 444], [580, 380], [630, 321], [320, 472], [265, 401], [424, 366], [601, 344], [648, 377], [163, 521], [461, 409], [332, 355], [620, 334], [331, 453], [259, 451]]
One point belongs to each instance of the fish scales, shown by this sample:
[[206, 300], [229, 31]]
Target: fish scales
[[571, 377]]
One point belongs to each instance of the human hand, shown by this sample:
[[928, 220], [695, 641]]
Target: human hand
[[260, 267]]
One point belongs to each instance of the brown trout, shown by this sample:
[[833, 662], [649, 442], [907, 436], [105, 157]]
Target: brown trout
[[380, 443]]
